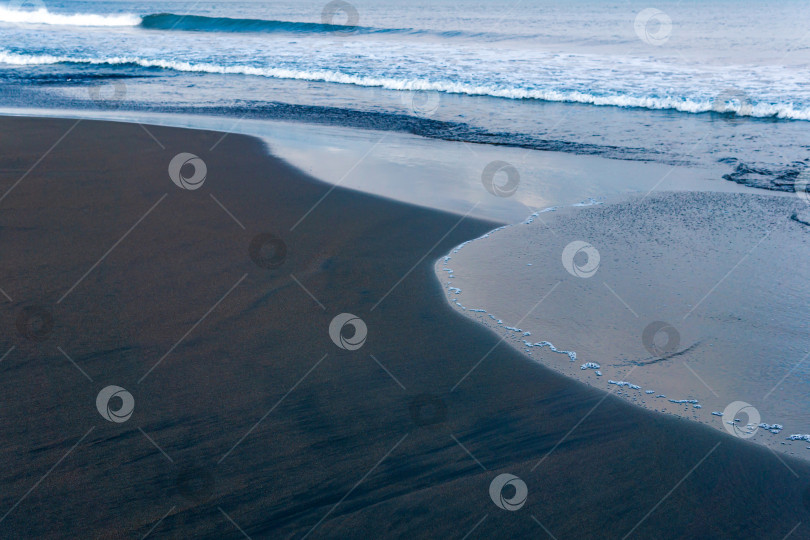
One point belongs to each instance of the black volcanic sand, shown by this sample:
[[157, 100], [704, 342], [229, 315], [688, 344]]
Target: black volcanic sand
[[345, 450]]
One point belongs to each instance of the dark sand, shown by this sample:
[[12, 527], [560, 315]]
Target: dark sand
[[608, 468]]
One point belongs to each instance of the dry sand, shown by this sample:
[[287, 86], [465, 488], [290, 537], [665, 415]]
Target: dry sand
[[331, 445]]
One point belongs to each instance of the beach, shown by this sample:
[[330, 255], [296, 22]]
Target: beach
[[442, 269], [247, 414]]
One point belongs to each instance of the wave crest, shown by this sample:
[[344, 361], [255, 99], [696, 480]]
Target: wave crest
[[43, 16], [172, 21], [199, 23], [760, 110]]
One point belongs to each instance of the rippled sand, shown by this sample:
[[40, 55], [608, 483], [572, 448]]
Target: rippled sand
[[694, 300]]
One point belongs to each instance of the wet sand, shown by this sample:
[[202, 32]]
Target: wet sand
[[263, 424]]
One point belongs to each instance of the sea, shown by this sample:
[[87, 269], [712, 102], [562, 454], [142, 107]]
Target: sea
[[681, 82]]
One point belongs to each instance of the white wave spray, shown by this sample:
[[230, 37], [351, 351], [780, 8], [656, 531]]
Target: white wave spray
[[682, 104], [43, 16]]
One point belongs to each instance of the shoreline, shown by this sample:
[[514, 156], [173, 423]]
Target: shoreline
[[638, 389], [438, 174], [238, 381]]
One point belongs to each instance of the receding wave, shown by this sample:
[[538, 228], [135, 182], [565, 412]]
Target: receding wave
[[199, 23], [43, 16], [786, 111]]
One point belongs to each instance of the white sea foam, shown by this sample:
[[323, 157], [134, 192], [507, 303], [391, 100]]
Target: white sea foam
[[43, 16], [682, 104], [625, 383], [572, 355]]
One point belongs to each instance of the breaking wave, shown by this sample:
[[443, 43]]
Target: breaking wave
[[758, 110]]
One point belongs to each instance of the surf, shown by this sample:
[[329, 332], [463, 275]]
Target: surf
[[783, 111], [43, 16]]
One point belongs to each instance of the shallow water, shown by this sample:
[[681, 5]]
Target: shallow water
[[697, 300]]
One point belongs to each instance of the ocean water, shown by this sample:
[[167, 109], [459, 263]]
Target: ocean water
[[684, 82]]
